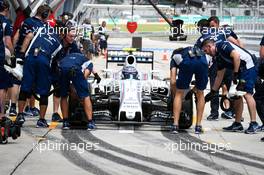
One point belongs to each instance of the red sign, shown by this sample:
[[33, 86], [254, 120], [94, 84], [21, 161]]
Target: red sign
[[132, 26]]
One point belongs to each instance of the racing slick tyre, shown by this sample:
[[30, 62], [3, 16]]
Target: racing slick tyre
[[138, 117], [122, 116], [77, 117], [113, 106], [186, 115]]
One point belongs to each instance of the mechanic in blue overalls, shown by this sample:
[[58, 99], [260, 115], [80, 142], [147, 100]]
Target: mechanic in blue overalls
[[5, 79], [22, 40], [259, 89], [219, 35], [37, 71], [222, 33], [69, 46], [76, 68], [7, 32], [190, 61], [231, 56]]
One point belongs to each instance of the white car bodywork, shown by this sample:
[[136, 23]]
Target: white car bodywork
[[132, 90]]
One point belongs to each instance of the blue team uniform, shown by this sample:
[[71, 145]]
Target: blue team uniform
[[190, 65], [72, 48], [217, 35], [247, 70], [76, 63], [259, 88], [37, 69], [262, 42], [30, 25], [5, 77]]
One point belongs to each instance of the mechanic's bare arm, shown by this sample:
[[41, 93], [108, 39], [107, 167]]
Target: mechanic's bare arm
[[8, 43], [218, 79], [240, 43], [86, 73], [236, 60], [234, 41], [261, 52], [173, 74], [26, 42], [15, 38]]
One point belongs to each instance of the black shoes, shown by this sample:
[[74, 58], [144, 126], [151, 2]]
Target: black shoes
[[227, 115], [20, 119], [174, 129], [66, 125], [213, 117], [235, 127], [252, 129], [198, 129], [56, 117]]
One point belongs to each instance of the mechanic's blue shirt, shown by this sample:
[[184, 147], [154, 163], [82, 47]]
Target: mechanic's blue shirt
[[6, 29], [30, 25], [230, 32], [172, 64], [226, 31], [47, 41], [71, 48], [217, 35], [187, 54], [190, 61], [77, 61], [223, 51], [262, 41]]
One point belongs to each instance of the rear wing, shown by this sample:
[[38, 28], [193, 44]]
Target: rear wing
[[119, 56]]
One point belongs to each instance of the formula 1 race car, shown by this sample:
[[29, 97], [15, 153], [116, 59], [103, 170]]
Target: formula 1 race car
[[127, 96]]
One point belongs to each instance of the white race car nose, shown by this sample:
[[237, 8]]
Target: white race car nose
[[130, 116]]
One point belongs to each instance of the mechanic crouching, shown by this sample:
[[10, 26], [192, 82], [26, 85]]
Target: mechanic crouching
[[190, 61], [76, 68]]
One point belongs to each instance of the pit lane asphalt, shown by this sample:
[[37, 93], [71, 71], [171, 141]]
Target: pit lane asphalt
[[133, 150]]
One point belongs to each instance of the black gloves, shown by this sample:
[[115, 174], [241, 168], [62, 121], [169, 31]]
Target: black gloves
[[235, 77], [210, 95], [97, 78]]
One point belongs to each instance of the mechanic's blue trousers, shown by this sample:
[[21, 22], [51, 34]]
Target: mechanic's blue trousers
[[259, 98]]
